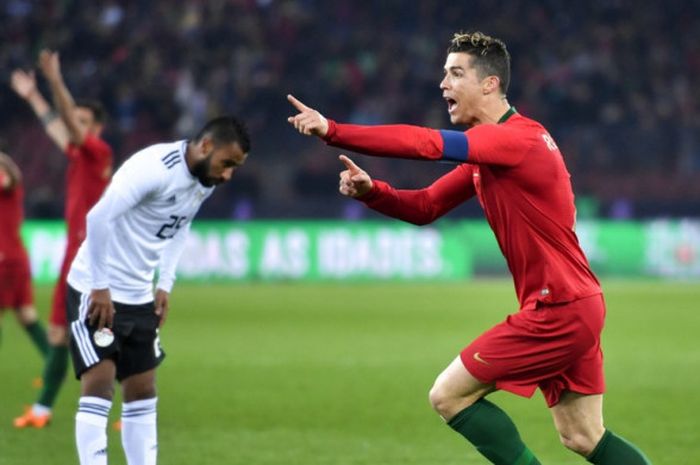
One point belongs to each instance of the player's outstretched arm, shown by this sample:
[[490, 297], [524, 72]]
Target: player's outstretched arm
[[354, 181], [50, 66], [24, 84], [422, 206], [308, 121], [393, 141]]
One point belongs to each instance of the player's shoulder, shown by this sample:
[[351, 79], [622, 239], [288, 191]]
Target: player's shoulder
[[529, 128], [162, 156], [520, 121]]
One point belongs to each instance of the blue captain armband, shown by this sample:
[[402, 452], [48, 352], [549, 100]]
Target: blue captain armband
[[455, 145]]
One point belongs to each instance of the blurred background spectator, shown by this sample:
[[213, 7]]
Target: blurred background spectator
[[610, 79]]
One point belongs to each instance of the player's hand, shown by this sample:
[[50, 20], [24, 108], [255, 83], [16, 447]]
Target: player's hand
[[50, 65], [354, 181], [23, 83], [308, 121], [101, 309], [162, 306]]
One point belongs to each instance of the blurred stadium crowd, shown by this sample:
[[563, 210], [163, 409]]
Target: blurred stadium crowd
[[612, 81]]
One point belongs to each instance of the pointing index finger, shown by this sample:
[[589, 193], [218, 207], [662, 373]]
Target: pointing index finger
[[297, 103], [349, 164]]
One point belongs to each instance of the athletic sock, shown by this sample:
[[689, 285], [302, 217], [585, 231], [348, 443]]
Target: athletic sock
[[40, 410], [37, 334], [91, 430], [139, 432], [493, 434], [54, 372], [614, 450]]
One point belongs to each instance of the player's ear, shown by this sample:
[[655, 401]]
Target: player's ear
[[490, 84], [206, 145]]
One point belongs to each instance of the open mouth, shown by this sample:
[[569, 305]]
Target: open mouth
[[451, 104]]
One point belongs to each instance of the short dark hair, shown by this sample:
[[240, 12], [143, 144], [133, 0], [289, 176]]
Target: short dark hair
[[491, 58], [98, 110], [226, 130]]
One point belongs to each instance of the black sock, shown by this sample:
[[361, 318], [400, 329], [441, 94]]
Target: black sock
[[54, 373], [493, 434], [614, 450]]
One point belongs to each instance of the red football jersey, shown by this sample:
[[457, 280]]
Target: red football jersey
[[11, 216], [89, 172], [519, 176]]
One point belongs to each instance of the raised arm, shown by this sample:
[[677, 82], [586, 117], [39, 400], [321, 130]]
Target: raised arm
[[24, 84], [51, 68], [420, 206]]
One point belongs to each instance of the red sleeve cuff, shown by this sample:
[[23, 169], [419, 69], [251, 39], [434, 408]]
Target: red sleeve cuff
[[332, 129], [374, 193]]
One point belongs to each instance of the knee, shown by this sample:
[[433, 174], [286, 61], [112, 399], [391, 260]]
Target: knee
[[142, 393], [445, 403], [139, 387], [27, 315], [437, 398], [103, 388], [57, 335], [579, 442]]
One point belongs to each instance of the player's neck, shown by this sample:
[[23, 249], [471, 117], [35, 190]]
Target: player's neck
[[190, 158], [493, 110]]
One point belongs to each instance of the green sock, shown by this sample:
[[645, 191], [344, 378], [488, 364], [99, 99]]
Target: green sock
[[614, 450], [493, 433], [54, 372], [37, 333]]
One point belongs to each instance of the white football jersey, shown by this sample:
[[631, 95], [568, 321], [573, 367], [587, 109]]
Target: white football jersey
[[145, 214]]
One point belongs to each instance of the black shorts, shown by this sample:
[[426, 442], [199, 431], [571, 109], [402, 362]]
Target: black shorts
[[132, 342]]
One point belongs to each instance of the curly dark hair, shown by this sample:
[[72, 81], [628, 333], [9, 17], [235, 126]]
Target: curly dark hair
[[491, 57]]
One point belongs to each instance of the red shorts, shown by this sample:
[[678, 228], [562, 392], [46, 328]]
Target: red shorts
[[58, 303], [553, 347], [16, 284]]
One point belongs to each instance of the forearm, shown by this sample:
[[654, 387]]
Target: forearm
[[53, 125], [406, 205], [62, 98], [394, 141], [39, 105], [66, 109], [169, 260], [422, 206]]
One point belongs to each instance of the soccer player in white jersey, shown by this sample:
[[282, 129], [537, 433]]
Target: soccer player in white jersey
[[139, 225]]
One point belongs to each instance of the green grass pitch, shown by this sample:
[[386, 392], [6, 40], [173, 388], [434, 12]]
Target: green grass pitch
[[339, 374]]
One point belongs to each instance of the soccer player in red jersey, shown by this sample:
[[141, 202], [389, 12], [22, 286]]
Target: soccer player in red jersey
[[514, 168], [76, 129], [15, 273]]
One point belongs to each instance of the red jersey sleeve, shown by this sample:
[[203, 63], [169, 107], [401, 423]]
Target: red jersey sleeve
[[488, 144], [422, 206], [393, 141], [497, 144]]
